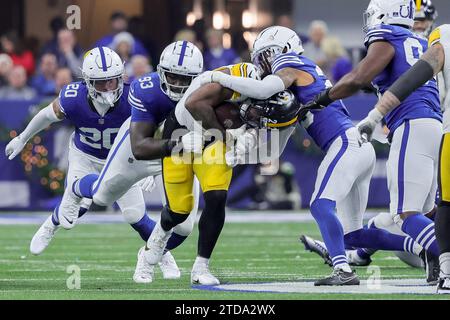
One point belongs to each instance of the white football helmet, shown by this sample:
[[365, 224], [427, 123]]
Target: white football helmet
[[103, 64], [389, 12], [272, 42], [181, 61]]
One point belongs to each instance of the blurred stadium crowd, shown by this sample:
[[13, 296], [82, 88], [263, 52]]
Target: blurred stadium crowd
[[33, 72], [29, 69]]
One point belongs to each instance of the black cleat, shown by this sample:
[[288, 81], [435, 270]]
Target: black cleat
[[316, 247], [443, 286], [339, 278], [431, 264]]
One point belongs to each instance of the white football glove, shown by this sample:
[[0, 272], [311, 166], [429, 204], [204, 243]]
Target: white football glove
[[147, 184], [14, 147], [192, 142], [246, 142], [235, 133], [233, 159], [367, 125]]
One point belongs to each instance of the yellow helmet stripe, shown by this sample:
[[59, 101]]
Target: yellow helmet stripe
[[283, 124], [418, 4]]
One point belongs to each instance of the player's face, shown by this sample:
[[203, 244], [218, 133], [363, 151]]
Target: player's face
[[106, 85], [178, 82], [422, 25]]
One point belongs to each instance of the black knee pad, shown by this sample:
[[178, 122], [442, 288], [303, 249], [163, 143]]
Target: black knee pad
[[170, 219]]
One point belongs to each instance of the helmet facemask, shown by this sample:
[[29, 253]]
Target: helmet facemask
[[174, 84], [104, 98], [254, 114], [370, 19], [264, 58]]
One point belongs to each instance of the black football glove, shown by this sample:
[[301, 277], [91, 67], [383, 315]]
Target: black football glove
[[321, 101]]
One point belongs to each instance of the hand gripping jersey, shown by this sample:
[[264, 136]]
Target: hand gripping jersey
[[322, 125], [424, 102], [148, 101], [442, 35], [94, 134]]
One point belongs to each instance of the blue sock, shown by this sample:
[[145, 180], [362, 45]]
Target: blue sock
[[174, 241], [144, 227], [83, 186], [324, 212], [375, 239], [365, 253], [55, 218], [421, 229]]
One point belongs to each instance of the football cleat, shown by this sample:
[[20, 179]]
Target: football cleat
[[169, 267], [355, 260], [68, 209], [43, 236], [339, 278], [443, 286], [200, 274], [432, 269], [156, 244], [318, 247], [144, 271]]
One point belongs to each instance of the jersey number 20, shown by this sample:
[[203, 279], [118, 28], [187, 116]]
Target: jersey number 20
[[95, 135]]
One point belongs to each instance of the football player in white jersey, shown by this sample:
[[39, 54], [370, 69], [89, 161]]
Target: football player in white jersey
[[430, 64]]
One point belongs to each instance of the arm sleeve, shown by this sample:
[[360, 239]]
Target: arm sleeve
[[412, 79], [42, 120], [256, 89]]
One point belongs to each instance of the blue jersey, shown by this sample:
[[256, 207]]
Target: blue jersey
[[422, 103], [94, 134], [324, 126], [148, 101]]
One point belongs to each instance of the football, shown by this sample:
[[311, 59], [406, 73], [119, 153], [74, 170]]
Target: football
[[228, 115]]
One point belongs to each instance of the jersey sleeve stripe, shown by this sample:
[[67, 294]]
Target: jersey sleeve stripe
[[135, 100], [282, 58], [286, 64], [139, 108], [378, 31]]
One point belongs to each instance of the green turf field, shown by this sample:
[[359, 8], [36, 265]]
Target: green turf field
[[106, 254]]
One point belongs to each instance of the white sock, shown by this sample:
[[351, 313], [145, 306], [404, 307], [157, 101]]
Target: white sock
[[201, 261], [343, 266], [444, 263]]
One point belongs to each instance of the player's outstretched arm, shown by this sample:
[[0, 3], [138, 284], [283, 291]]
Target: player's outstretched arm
[[50, 114], [144, 146], [430, 64], [252, 88], [379, 55]]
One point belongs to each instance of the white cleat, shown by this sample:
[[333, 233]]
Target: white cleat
[[156, 244], [68, 209], [201, 275], [169, 267], [144, 271], [43, 236]]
